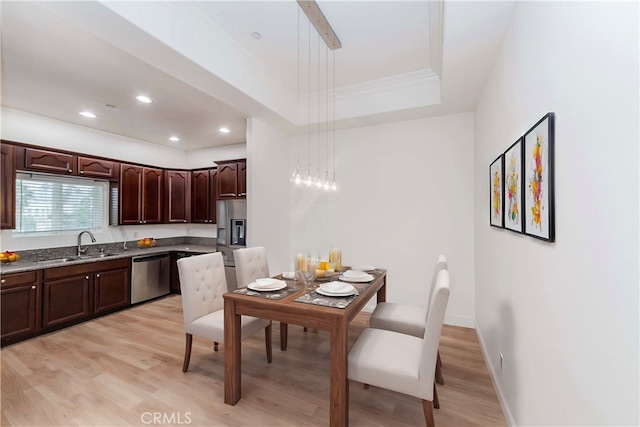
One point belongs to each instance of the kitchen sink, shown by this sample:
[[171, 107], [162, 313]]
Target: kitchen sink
[[74, 258]]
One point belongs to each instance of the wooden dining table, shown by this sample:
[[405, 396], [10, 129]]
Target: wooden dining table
[[287, 310]]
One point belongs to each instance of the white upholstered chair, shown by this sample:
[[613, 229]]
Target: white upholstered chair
[[203, 282], [408, 319], [252, 264], [401, 362]]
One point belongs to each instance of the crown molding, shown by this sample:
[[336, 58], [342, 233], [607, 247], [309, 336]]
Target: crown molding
[[436, 28]]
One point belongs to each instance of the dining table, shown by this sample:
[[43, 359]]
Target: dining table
[[300, 305]]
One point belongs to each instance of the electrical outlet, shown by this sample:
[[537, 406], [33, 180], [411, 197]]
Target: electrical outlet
[[501, 360]]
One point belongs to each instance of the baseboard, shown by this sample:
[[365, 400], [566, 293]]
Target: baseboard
[[494, 379]]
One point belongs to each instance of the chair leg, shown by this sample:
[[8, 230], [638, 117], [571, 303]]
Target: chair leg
[[187, 353], [428, 413], [436, 401], [267, 342], [284, 335], [439, 360], [215, 346], [366, 386], [305, 329], [439, 377]]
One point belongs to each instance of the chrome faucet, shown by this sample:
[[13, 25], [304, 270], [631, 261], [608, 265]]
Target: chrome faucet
[[82, 250]]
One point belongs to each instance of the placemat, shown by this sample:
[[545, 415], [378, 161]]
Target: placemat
[[275, 295], [337, 302]]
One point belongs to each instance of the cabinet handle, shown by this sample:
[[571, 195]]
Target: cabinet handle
[[70, 170], [185, 220], [80, 171], [97, 275], [2, 281], [33, 286], [86, 277]]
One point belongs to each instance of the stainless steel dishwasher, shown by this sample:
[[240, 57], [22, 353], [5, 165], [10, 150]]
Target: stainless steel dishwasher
[[149, 277]]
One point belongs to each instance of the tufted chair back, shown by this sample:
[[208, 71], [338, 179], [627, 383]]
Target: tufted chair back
[[202, 282], [435, 318], [251, 264]]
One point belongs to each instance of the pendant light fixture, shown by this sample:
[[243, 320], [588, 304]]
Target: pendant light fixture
[[324, 30]]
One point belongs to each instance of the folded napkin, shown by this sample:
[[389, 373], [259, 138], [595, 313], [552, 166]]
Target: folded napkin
[[336, 287], [266, 283]]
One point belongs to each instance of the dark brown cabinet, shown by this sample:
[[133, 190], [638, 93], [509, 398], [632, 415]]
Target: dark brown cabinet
[[21, 305], [140, 195], [204, 190], [96, 168], [177, 196], [111, 290], [232, 179], [7, 187], [49, 161], [75, 293]]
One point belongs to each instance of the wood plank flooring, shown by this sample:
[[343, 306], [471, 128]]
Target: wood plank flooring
[[126, 368]]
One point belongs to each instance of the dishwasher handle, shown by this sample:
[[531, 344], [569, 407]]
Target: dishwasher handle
[[150, 258]]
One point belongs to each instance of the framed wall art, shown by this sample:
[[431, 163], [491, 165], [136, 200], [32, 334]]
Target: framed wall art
[[538, 179], [496, 176], [513, 199]]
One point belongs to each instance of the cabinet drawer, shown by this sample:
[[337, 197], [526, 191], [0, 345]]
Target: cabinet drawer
[[49, 161], [96, 168], [91, 267], [15, 279]]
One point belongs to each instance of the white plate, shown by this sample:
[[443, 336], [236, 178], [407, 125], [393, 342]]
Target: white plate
[[368, 278], [337, 287], [256, 287], [332, 294], [364, 267], [354, 274], [267, 282]]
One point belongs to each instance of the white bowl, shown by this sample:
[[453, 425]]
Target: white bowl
[[336, 287], [355, 274], [289, 275], [266, 282]]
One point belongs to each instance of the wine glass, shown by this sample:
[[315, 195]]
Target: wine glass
[[306, 269]]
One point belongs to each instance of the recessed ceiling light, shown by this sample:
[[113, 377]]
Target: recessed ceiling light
[[144, 99], [224, 130], [88, 114], [256, 35], [174, 139]]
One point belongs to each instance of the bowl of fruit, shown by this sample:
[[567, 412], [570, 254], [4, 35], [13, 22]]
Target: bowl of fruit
[[8, 256], [147, 242]]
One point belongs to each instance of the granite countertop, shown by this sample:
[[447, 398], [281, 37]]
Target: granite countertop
[[30, 265]]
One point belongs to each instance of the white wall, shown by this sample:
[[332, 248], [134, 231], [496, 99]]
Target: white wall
[[206, 157], [268, 195], [406, 196], [565, 315]]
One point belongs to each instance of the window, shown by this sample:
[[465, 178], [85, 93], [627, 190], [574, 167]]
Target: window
[[47, 204]]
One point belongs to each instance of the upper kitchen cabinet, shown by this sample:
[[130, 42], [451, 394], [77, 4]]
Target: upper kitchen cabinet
[[8, 186], [97, 168], [47, 161], [204, 190], [177, 195], [232, 179], [140, 195]]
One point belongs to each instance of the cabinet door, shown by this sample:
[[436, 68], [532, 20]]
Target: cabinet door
[[7, 187], [20, 305], [200, 196], [130, 194], [66, 300], [152, 196], [242, 179], [213, 194], [177, 196], [111, 290], [96, 168], [227, 180], [49, 161]]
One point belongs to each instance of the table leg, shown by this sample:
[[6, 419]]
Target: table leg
[[339, 381], [284, 335], [232, 354], [382, 292]]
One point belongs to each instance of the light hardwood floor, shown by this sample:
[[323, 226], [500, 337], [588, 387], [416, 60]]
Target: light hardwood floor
[[123, 368]]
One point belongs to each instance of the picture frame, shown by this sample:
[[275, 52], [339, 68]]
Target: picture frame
[[513, 199], [496, 190], [538, 185]]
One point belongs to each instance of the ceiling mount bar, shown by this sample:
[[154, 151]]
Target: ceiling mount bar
[[317, 18]]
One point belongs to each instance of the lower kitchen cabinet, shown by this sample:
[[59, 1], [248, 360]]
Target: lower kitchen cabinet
[[77, 292], [20, 305]]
